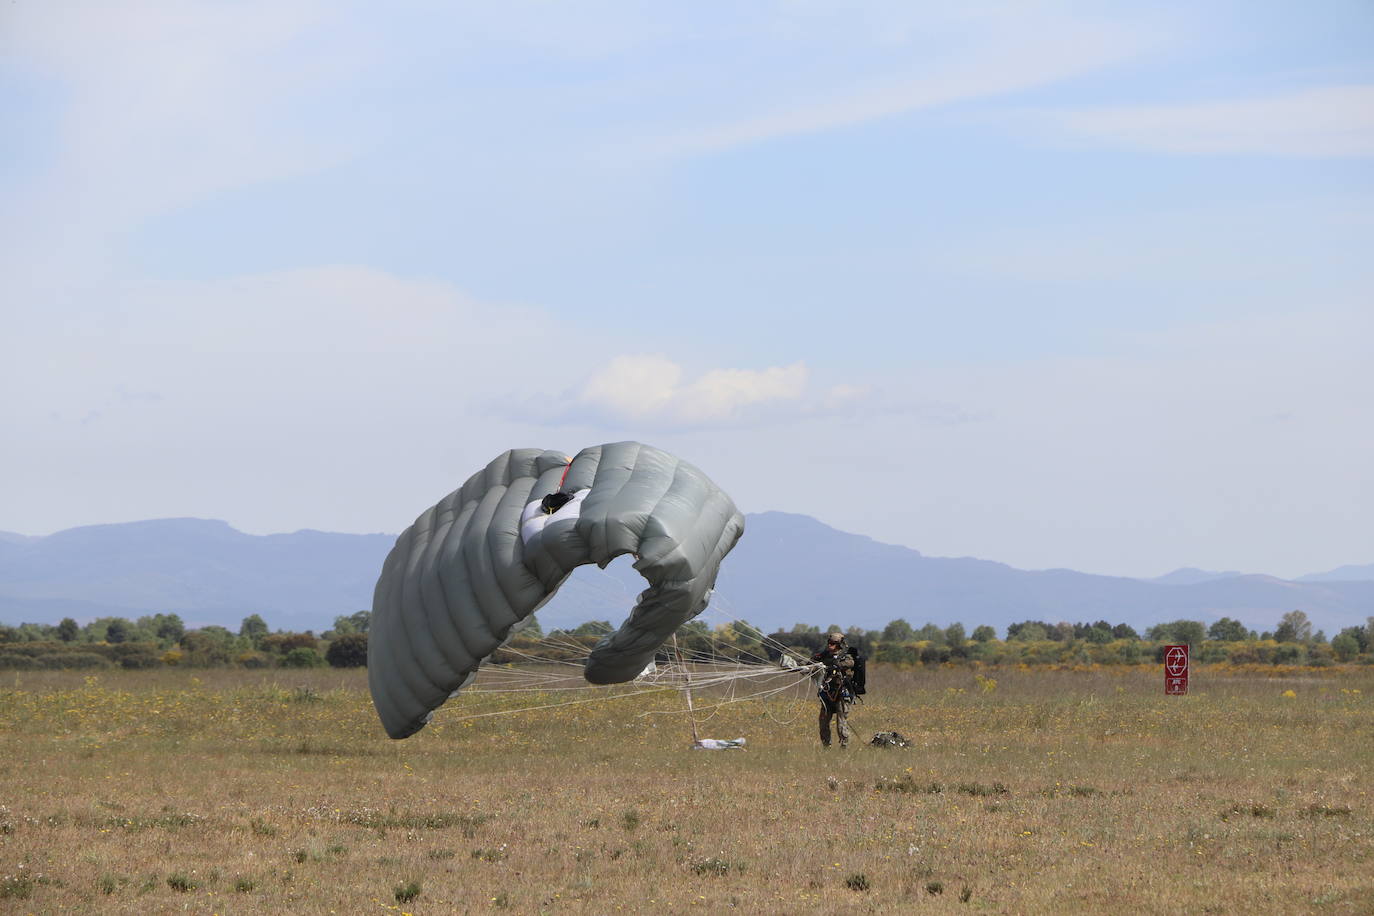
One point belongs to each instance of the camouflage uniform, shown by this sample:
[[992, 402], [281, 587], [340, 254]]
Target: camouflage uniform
[[835, 691]]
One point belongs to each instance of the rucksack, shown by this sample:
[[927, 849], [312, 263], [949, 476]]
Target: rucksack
[[859, 678]]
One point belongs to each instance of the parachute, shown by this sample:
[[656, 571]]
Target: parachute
[[462, 579]]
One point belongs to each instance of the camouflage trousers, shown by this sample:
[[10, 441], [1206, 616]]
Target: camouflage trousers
[[839, 711]]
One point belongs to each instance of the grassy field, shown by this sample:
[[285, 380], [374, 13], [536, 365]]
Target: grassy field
[[234, 791]]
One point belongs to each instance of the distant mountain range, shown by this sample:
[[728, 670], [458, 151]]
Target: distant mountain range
[[1341, 574], [1189, 575], [787, 569]]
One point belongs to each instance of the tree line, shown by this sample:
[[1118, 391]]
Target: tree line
[[159, 640], [1291, 642]]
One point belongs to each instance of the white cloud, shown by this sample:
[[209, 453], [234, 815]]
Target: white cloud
[[633, 386], [650, 389], [1325, 122], [999, 55], [723, 393]]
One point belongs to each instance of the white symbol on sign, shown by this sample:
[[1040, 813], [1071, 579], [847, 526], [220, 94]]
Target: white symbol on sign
[[1176, 661]]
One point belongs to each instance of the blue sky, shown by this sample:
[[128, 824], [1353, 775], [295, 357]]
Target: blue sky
[[1050, 284]]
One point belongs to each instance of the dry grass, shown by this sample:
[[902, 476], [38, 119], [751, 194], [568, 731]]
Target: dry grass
[[230, 792]]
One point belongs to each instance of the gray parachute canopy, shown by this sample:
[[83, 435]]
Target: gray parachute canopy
[[472, 569]]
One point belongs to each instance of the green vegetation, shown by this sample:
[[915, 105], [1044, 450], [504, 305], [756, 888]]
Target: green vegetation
[[161, 640], [1038, 642]]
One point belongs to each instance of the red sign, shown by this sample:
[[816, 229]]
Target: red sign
[[1175, 670]]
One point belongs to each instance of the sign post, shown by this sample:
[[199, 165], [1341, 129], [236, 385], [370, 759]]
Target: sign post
[[1175, 670]]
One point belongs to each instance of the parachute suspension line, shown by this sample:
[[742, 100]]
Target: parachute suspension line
[[764, 694], [687, 690], [566, 468], [765, 642], [799, 668], [707, 683], [600, 699]]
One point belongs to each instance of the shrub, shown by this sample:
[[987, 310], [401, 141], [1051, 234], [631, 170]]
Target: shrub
[[1028, 631], [253, 628], [934, 655], [1293, 627], [169, 628], [73, 660], [16, 887], [716, 866], [204, 648], [13, 661], [145, 658], [1254, 810], [1210, 653], [1345, 647], [1227, 630], [181, 883], [906, 784], [283, 643], [303, 658], [1287, 654], [348, 651], [906, 654], [404, 893]]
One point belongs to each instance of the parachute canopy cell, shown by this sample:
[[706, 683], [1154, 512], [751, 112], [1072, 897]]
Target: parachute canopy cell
[[472, 569]]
